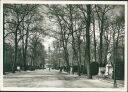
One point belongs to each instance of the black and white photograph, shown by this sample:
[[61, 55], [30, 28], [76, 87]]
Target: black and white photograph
[[64, 46]]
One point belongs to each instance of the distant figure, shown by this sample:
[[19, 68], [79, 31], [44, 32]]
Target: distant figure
[[71, 70], [18, 68], [61, 68], [49, 68]]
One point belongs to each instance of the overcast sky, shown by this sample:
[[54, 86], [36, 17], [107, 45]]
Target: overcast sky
[[48, 42]]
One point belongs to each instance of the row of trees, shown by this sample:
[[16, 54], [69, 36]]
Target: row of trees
[[87, 33], [83, 33], [22, 34]]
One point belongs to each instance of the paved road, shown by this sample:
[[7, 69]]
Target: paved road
[[53, 78]]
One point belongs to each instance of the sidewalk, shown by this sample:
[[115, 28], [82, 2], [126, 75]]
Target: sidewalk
[[120, 83]]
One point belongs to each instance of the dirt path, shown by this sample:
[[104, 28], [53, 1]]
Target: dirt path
[[53, 78]]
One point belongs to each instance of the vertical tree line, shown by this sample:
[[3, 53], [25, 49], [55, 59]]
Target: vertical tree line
[[20, 25]]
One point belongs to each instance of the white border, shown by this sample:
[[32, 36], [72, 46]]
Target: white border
[[1, 45], [61, 89], [126, 47], [62, 2]]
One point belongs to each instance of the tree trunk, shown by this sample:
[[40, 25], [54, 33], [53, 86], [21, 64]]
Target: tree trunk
[[16, 44], [66, 58], [88, 41], [94, 39], [15, 59], [3, 43], [101, 39], [79, 55], [25, 50], [84, 69], [115, 58]]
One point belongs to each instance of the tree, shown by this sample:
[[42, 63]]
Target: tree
[[119, 25], [88, 21], [94, 35], [101, 11], [37, 52], [18, 21]]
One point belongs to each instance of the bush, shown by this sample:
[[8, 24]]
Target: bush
[[94, 67], [119, 70]]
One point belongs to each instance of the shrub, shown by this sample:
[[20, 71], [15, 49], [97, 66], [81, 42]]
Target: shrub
[[119, 70], [94, 67]]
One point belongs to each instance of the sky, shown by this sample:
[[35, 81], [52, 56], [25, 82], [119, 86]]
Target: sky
[[48, 42]]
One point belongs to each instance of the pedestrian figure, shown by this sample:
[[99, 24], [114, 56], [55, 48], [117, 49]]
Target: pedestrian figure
[[18, 68], [61, 69], [71, 70], [49, 68]]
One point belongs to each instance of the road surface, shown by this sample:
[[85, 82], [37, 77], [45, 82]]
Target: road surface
[[52, 78]]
